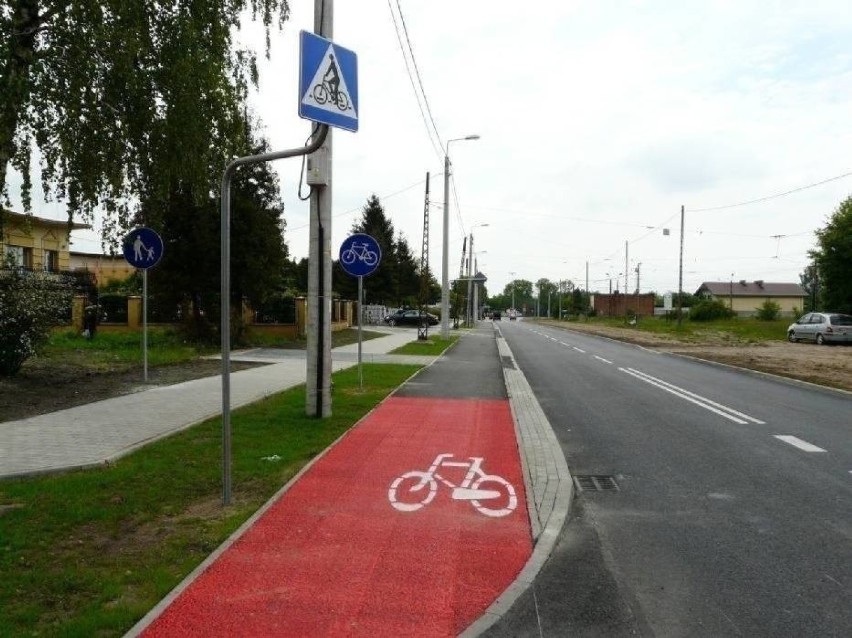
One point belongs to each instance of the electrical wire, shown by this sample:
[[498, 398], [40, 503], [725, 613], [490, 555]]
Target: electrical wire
[[302, 172], [768, 197], [356, 209], [458, 207], [417, 72], [437, 148]]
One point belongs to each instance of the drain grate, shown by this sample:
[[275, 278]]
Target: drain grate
[[595, 483]]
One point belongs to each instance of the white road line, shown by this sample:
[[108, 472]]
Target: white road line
[[562, 343], [701, 398], [578, 349], [684, 396], [797, 442], [602, 359]]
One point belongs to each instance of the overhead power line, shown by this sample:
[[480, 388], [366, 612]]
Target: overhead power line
[[437, 148], [417, 72], [458, 208], [358, 208], [768, 197]]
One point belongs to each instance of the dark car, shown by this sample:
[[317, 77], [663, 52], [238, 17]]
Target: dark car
[[410, 318], [822, 327], [495, 316]]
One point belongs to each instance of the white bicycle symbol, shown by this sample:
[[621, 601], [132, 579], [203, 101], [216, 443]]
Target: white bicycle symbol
[[408, 492], [361, 252]]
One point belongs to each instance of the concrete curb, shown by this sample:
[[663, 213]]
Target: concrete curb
[[548, 482]]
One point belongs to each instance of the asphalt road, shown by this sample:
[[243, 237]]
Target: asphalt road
[[733, 514]]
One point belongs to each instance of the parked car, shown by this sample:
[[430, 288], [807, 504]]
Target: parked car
[[822, 327], [410, 318]]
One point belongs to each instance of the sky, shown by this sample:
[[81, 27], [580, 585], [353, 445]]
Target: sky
[[598, 120]]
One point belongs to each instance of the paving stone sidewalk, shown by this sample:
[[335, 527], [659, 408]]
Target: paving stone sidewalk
[[100, 432]]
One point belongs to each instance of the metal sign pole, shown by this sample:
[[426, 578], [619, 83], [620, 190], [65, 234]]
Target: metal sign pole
[[360, 321], [145, 323], [225, 291]]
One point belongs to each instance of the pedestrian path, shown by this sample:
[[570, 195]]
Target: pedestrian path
[[100, 432]]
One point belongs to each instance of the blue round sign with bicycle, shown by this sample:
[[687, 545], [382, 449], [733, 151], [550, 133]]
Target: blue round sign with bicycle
[[360, 255]]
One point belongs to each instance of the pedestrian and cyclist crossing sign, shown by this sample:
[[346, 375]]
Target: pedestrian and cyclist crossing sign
[[328, 82]]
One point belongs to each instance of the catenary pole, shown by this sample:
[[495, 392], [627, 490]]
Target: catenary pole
[[445, 253]]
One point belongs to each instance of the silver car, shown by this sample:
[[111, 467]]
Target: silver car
[[822, 327]]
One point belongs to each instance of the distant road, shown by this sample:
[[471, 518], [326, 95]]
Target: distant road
[[734, 510]]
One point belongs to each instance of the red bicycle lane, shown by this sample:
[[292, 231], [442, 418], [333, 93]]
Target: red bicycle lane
[[353, 549]]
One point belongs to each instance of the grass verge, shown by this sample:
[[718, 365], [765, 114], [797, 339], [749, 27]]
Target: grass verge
[[431, 347], [112, 351], [89, 553]]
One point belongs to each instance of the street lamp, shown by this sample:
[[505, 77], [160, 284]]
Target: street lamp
[[445, 258], [512, 275]]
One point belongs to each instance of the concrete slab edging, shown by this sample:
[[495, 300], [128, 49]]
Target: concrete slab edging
[[548, 482]]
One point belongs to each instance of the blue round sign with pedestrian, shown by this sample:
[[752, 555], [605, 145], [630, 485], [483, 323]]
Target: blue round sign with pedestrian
[[360, 255], [142, 248]]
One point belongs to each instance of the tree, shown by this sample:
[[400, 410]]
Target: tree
[[190, 271], [124, 99], [809, 280], [406, 274], [833, 259], [396, 281], [30, 304]]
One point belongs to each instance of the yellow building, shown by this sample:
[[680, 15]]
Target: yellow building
[[37, 243], [745, 297], [105, 268]]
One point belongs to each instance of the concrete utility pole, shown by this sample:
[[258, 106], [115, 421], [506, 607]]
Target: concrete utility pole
[[638, 266], [680, 273], [475, 292], [445, 254], [469, 299], [318, 395], [512, 275]]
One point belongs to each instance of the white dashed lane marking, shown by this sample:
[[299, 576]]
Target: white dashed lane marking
[[602, 359], [799, 443]]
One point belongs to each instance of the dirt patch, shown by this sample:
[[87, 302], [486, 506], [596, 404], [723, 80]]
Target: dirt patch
[[824, 365], [46, 386]]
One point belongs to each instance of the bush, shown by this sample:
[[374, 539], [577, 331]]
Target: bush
[[30, 304], [709, 310], [768, 311]]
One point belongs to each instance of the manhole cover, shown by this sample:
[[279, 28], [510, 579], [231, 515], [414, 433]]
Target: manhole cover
[[595, 483]]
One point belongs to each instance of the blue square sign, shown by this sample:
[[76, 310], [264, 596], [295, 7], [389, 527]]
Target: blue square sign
[[328, 82]]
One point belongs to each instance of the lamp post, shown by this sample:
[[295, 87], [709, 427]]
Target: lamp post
[[512, 275], [445, 258]]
